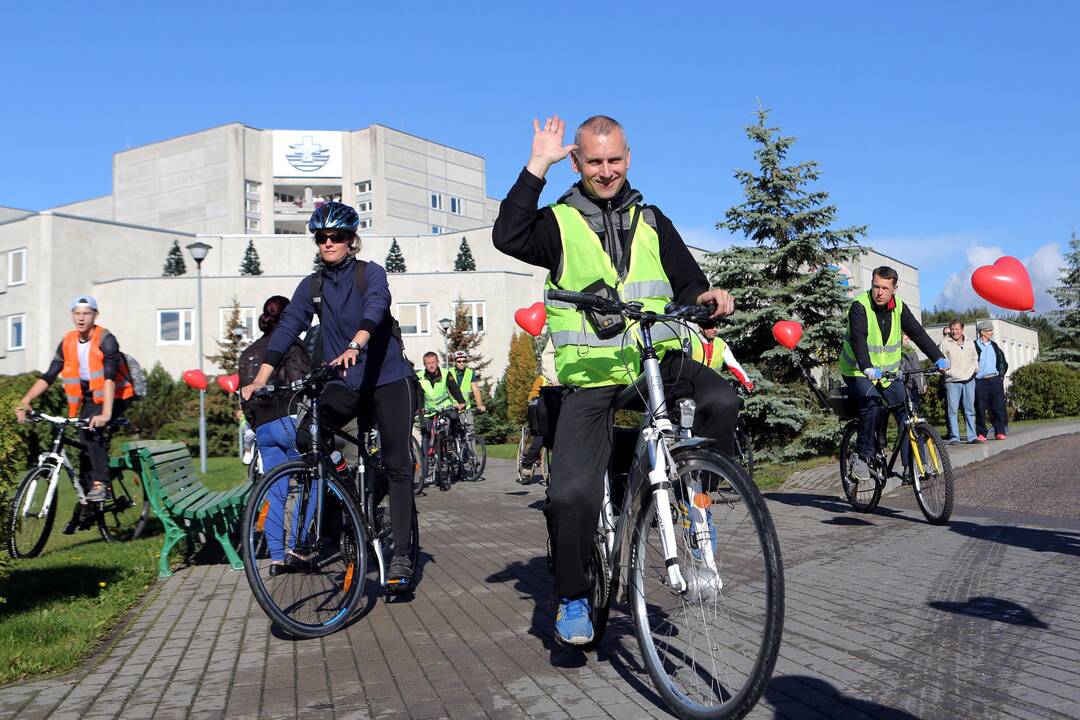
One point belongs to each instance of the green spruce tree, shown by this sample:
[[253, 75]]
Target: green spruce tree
[[395, 260], [464, 261], [1066, 346], [250, 264], [786, 273], [317, 263], [236, 339], [174, 261], [460, 336]]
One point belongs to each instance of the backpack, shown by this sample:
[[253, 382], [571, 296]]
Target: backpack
[[361, 285], [136, 375]]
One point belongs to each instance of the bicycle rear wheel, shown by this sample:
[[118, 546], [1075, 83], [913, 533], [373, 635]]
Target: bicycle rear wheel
[[932, 474], [28, 523], [474, 459], [863, 495], [711, 650], [123, 517], [318, 589]]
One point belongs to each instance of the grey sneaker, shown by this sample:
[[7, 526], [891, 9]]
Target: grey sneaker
[[98, 494], [860, 471]]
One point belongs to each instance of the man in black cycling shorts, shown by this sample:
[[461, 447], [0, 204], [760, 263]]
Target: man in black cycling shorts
[[599, 235]]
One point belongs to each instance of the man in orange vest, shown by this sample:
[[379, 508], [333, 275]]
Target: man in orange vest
[[97, 386]]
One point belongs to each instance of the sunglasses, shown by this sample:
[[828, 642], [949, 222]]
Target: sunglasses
[[334, 237]]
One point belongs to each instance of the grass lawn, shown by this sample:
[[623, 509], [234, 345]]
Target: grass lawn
[[62, 604], [503, 451], [772, 475]]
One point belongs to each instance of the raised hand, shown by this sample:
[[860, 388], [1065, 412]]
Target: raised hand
[[547, 145]]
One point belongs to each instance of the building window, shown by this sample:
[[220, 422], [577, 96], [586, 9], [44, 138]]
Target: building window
[[437, 229], [414, 318], [174, 326], [17, 267], [365, 224], [364, 206], [364, 186], [436, 201], [475, 313], [252, 225], [16, 326], [251, 187], [457, 205], [251, 205], [247, 321]]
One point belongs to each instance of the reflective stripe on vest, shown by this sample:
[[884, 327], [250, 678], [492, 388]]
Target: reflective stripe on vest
[[581, 358], [436, 396], [885, 355], [69, 373]]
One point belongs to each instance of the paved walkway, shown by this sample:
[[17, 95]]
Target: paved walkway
[[887, 617]]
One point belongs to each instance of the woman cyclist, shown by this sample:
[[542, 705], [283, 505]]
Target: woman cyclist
[[274, 418], [357, 334]]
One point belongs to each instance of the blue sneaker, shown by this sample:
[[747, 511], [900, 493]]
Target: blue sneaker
[[573, 626]]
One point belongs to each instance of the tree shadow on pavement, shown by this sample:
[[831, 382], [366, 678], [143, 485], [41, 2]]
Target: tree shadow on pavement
[[794, 697], [992, 608]]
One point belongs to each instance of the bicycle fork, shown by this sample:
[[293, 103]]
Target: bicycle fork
[[661, 485]]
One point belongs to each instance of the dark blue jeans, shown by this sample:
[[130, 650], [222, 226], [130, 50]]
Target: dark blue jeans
[[870, 397]]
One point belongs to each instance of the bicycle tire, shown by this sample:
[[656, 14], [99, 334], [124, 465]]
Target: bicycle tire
[[524, 440], [862, 499], [747, 554], [476, 452], [442, 464], [417, 466], [123, 517], [320, 595], [253, 473], [600, 594], [744, 448], [934, 488], [27, 534]]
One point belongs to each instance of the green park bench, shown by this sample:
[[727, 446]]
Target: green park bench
[[185, 506]]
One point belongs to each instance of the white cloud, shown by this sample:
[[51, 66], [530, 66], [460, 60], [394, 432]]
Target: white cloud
[[922, 251], [1044, 267]]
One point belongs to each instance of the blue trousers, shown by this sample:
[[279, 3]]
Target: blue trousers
[[870, 397], [277, 445], [957, 392]]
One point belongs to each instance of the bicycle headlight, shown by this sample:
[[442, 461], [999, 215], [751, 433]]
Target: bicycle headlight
[[687, 410]]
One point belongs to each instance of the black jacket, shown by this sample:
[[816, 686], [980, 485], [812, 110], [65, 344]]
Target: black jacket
[[532, 235], [883, 315], [1002, 363], [294, 365]]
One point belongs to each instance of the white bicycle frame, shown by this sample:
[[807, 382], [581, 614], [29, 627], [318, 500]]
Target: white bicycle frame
[[55, 459]]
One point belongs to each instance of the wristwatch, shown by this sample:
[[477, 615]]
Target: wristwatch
[[353, 346]]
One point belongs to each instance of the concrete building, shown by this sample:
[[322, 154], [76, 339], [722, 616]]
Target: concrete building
[[233, 184]]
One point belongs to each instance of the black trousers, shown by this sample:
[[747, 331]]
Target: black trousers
[[990, 396], [391, 407], [532, 453], [583, 440], [94, 455]]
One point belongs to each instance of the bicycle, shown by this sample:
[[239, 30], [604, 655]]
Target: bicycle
[[443, 465], [119, 518], [373, 443], [326, 517], [744, 443], [541, 468], [707, 610], [928, 470], [473, 449]]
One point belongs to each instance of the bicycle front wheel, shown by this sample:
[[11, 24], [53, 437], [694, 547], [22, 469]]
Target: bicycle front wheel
[[123, 517], [307, 577], [932, 474], [474, 451], [711, 650], [863, 495], [29, 523]]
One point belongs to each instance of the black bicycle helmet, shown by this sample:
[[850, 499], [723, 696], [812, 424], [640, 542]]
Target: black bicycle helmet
[[334, 216]]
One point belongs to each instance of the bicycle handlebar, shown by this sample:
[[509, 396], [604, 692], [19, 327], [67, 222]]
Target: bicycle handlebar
[[81, 423], [313, 380], [633, 310]]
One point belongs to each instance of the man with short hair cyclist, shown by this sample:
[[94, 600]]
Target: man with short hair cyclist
[[97, 385], [377, 379], [438, 392], [877, 320], [600, 237]]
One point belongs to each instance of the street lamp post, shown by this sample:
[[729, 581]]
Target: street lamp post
[[199, 251], [445, 324]]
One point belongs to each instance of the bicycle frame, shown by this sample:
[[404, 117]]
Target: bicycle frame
[[56, 458]]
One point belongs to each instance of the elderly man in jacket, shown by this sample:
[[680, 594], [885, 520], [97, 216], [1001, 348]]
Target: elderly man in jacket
[[990, 384]]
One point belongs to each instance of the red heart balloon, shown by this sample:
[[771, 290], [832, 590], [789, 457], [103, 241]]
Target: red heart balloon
[[787, 333], [229, 383], [1005, 283], [195, 379], [531, 319]]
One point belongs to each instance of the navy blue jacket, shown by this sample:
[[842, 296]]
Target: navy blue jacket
[[344, 312]]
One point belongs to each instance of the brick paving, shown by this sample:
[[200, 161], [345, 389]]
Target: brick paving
[[887, 617]]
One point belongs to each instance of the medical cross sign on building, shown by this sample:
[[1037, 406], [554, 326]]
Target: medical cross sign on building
[[307, 153]]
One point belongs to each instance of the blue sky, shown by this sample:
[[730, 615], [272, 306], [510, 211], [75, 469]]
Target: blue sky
[[951, 129]]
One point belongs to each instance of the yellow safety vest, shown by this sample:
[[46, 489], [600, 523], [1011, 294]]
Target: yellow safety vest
[[697, 351], [436, 395], [581, 358], [884, 355]]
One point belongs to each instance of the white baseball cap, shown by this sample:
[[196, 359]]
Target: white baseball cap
[[84, 300]]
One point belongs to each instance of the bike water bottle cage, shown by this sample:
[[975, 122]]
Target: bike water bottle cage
[[605, 325]]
